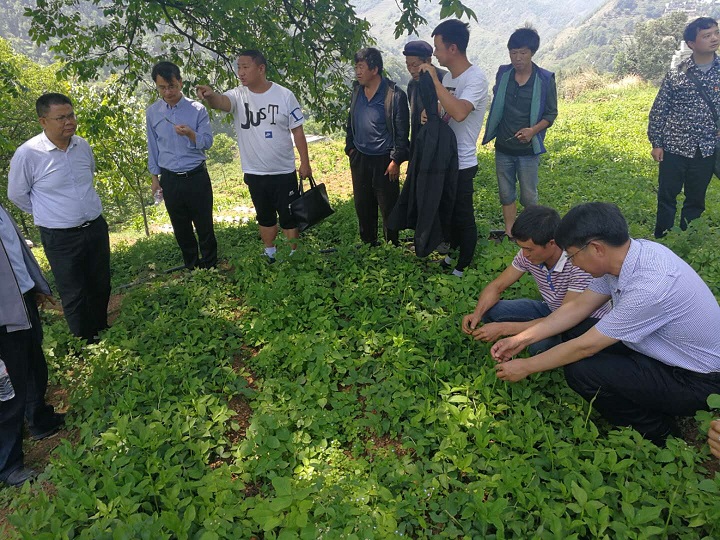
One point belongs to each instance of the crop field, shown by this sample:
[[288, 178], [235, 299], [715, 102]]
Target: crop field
[[332, 394]]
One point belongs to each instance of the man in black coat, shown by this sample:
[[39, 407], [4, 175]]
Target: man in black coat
[[428, 196]]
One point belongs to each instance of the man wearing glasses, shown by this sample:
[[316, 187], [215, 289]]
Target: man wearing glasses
[[51, 177], [557, 278], [178, 135], [655, 355]]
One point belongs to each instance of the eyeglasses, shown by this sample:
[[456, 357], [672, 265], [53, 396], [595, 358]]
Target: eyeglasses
[[64, 118], [570, 257], [163, 88]]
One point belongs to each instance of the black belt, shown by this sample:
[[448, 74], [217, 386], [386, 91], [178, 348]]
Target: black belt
[[187, 174], [81, 226]]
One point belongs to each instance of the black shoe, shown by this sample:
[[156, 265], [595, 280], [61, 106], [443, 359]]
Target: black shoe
[[49, 429], [444, 264], [21, 475]]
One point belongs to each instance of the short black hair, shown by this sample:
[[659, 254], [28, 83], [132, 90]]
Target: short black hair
[[453, 32], [167, 70], [592, 221], [44, 102], [537, 223], [257, 56], [524, 37], [372, 57], [701, 23]]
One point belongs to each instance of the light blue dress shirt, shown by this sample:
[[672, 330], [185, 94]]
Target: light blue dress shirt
[[662, 308], [167, 149], [53, 185]]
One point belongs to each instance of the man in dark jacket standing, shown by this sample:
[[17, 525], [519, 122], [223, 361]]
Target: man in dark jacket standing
[[416, 54], [376, 142]]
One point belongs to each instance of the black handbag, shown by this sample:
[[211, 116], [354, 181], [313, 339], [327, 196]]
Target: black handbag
[[706, 98], [312, 206]]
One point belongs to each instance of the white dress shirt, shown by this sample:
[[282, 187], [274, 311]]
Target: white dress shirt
[[53, 185]]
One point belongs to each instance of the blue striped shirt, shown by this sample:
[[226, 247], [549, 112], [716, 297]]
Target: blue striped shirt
[[662, 309], [167, 149], [554, 283]]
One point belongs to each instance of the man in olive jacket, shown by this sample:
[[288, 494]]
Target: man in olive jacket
[[377, 143]]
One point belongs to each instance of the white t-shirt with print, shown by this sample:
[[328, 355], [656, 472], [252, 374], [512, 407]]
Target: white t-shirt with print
[[262, 124], [472, 86]]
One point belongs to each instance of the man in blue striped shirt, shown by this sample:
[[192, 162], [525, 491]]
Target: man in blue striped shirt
[[178, 135], [655, 355]]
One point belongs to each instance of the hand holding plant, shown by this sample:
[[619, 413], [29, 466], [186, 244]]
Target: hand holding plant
[[512, 371], [490, 332], [506, 348]]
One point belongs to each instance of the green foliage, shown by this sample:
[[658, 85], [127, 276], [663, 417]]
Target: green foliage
[[373, 416], [22, 81], [649, 52], [306, 43], [114, 126], [223, 150]]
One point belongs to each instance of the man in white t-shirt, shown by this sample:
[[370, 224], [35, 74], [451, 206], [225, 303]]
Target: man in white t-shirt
[[265, 115], [463, 96]]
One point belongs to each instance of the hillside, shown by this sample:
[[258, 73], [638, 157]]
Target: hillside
[[332, 394], [496, 21], [595, 42]]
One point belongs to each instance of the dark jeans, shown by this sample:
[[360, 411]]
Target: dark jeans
[[23, 355], [463, 230], [80, 261], [522, 310], [676, 172], [631, 389], [372, 188], [189, 200]]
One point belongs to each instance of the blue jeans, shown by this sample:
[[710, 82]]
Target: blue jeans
[[522, 311], [512, 169]]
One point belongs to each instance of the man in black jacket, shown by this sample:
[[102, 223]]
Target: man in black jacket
[[416, 54], [376, 142]]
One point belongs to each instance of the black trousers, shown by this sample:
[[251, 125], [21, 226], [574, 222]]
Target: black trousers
[[80, 261], [189, 201], [23, 356], [463, 229], [372, 188], [631, 389], [675, 173]]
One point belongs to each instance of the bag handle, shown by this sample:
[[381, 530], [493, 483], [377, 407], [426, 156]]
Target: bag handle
[[313, 185]]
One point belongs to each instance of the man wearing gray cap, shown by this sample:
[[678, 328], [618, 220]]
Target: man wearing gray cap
[[416, 54]]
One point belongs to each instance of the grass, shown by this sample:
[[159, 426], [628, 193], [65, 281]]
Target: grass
[[332, 395]]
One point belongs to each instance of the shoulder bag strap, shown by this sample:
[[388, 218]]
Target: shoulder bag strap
[[704, 95]]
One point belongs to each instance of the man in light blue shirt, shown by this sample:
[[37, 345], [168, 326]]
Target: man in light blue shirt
[[655, 355], [51, 177], [178, 134]]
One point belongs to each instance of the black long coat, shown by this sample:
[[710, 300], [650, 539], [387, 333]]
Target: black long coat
[[428, 196]]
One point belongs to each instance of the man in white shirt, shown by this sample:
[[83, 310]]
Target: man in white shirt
[[51, 177], [463, 96], [265, 115]]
